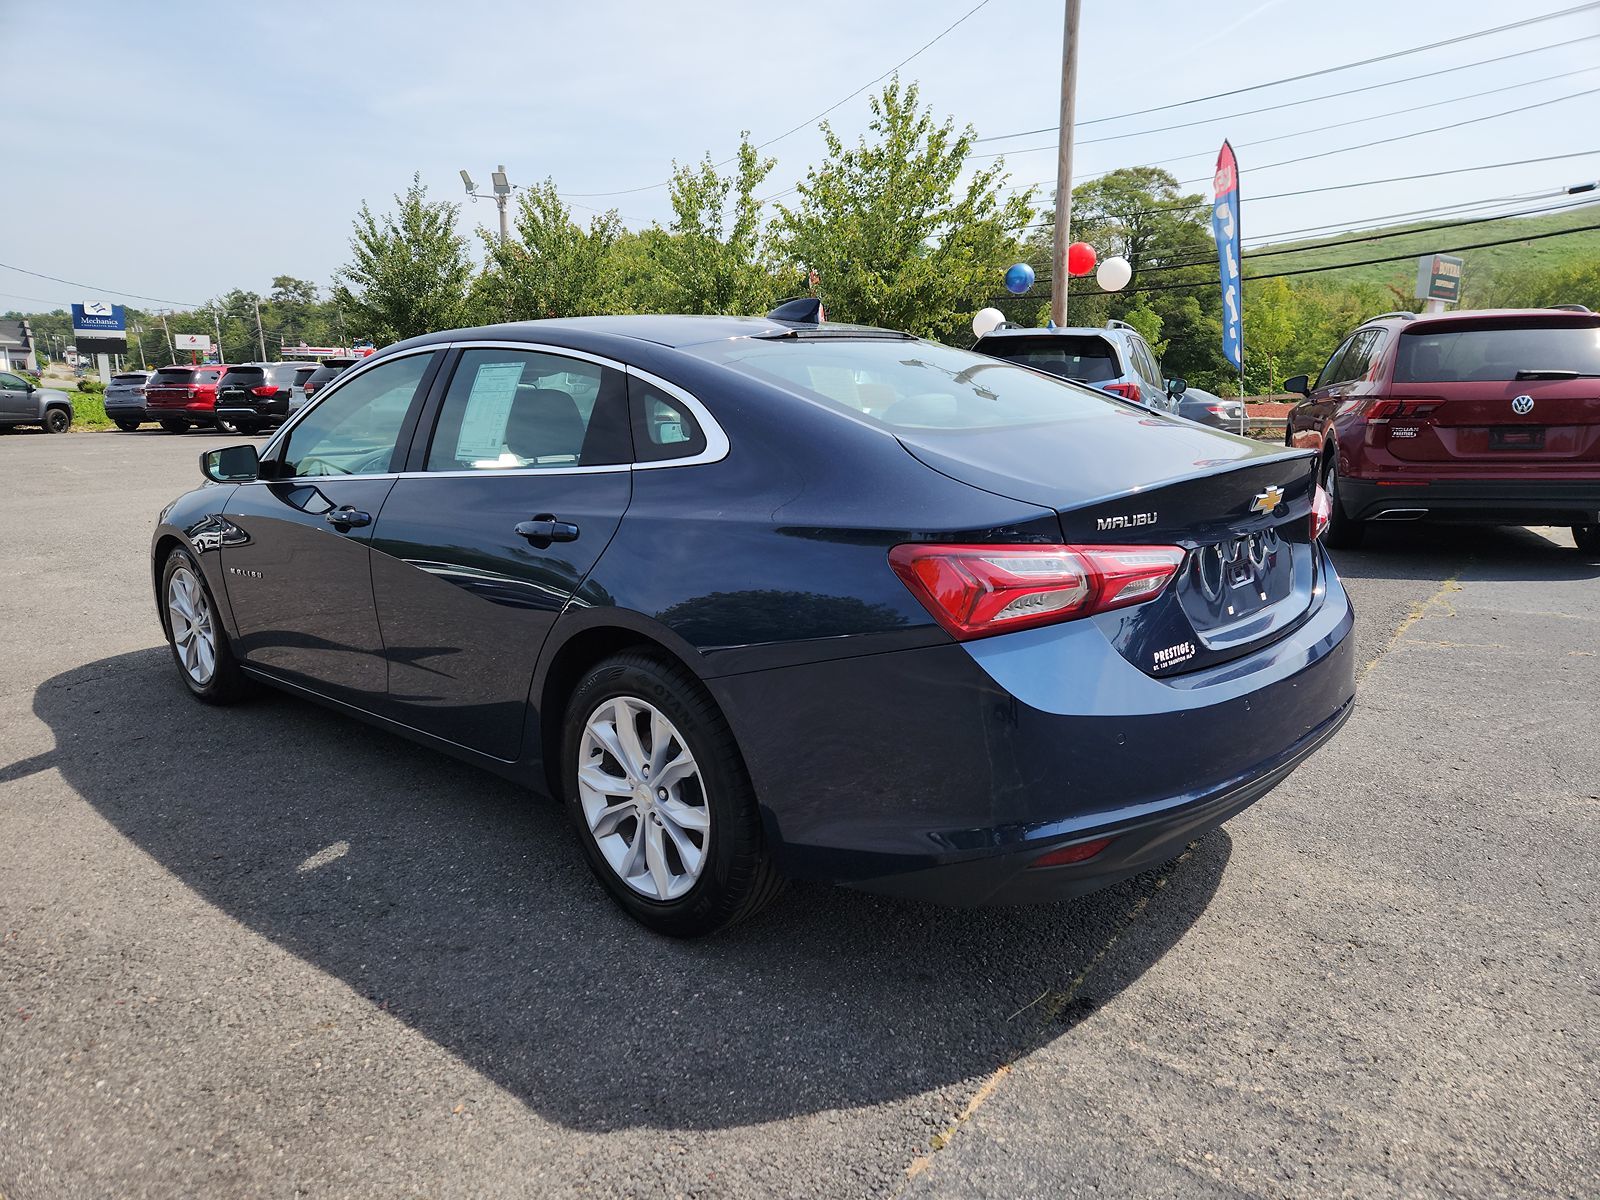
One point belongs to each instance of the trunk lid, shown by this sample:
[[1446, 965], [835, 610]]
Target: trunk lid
[[1240, 509], [1503, 389]]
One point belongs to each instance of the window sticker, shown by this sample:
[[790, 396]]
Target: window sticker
[[483, 425]]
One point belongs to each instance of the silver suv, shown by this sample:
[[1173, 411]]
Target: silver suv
[[1115, 359]]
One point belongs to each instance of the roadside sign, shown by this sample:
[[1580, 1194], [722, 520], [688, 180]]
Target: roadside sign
[[99, 327], [192, 341], [1225, 230], [1439, 278]]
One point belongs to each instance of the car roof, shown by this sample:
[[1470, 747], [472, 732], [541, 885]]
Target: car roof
[[671, 330], [1011, 331], [1561, 316]]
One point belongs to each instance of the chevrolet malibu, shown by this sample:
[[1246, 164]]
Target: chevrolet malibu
[[764, 598]]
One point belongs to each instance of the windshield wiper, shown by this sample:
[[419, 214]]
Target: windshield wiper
[[1554, 373]]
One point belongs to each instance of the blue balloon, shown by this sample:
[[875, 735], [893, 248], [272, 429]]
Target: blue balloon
[[1019, 278]]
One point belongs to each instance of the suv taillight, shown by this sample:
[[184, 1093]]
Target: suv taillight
[[1128, 391], [266, 389], [976, 591]]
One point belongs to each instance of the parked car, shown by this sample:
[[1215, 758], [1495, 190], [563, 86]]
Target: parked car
[[1206, 408], [324, 373], [1115, 359], [1490, 416], [255, 396], [124, 399], [22, 402], [180, 396], [765, 599]]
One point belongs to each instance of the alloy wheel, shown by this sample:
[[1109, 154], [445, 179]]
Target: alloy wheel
[[643, 798], [193, 629]]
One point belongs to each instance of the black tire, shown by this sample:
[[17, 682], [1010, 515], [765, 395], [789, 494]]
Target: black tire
[[127, 426], [57, 420], [175, 425], [227, 683], [1587, 537], [737, 879], [1343, 533]]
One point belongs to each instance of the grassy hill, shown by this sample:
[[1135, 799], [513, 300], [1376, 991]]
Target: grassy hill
[[1481, 265]]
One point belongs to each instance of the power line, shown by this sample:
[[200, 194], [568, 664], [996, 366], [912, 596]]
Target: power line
[[649, 187], [1398, 112], [1399, 137], [1365, 62], [91, 287], [1251, 112]]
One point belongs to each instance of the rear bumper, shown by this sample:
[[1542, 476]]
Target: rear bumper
[[942, 773], [1490, 501], [268, 411], [126, 409], [196, 412]]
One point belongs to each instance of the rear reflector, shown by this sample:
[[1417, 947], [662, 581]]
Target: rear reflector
[[1128, 391], [1076, 853], [976, 591]]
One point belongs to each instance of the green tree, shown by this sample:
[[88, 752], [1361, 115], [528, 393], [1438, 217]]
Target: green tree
[[893, 235], [553, 267], [708, 261], [409, 269]]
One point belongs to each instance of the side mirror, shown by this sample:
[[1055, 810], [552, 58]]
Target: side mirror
[[1176, 388], [231, 464], [1299, 384]]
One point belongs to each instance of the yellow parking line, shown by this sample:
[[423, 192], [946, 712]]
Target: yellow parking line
[[1418, 611]]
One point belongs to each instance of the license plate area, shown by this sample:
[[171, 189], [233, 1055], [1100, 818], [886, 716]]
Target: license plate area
[[1516, 437]]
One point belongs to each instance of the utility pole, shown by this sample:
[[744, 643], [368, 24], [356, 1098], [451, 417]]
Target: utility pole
[[259, 334], [216, 320], [139, 342], [1069, 94], [172, 349]]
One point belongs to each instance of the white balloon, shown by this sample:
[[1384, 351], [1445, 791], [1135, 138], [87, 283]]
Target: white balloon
[[1113, 274], [986, 320]]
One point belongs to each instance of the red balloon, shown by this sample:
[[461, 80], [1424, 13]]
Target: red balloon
[[1080, 258]]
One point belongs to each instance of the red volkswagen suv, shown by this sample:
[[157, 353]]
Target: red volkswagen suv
[[180, 396], [1490, 416]]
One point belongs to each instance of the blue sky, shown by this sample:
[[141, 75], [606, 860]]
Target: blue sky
[[179, 149]]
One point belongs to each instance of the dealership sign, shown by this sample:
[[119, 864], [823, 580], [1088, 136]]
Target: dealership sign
[[1439, 278], [99, 328], [192, 341]]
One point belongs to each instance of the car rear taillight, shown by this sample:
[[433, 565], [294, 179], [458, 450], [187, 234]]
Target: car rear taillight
[[976, 591], [1384, 410], [1321, 512], [1128, 391], [266, 389]]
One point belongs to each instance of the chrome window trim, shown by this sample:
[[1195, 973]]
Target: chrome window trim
[[716, 450]]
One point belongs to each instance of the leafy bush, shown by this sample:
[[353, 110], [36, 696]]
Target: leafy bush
[[94, 387]]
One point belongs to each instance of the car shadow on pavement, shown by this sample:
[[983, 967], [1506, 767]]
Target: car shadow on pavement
[[1415, 550], [461, 905]]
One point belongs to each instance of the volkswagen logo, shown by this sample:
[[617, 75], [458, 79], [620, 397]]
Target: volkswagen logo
[[1522, 405]]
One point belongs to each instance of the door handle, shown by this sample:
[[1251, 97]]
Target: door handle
[[348, 518], [544, 529]]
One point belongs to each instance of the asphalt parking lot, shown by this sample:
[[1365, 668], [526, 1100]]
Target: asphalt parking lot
[[268, 951]]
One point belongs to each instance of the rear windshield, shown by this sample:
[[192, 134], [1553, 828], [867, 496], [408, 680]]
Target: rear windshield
[[211, 376], [245, 375], [173, 375], [1496, 353], [1082, 357], [906, 384], [125, 380]]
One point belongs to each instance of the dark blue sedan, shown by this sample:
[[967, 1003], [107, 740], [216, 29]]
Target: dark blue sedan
[[764, 598]]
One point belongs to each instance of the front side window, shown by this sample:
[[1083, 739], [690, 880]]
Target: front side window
[[354, 430], [1330, 372], [1358, 359], [10, 381], [522, 409]]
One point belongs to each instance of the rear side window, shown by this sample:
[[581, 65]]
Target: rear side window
[[908, 384], [663, 426], [207, 376], [1083, 358], [522, 409], [1496, 353]]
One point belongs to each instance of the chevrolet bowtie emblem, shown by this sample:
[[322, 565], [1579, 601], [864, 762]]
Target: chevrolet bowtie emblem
[[1268, 500]]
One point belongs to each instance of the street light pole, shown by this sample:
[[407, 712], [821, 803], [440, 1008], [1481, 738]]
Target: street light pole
[[259, 335], [1069, 93], [502, 196]]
